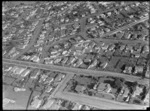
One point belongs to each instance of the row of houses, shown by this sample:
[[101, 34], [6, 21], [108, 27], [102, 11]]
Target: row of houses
[[113, 19], [103, 89]]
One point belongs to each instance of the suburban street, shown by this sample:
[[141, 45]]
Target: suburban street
[[93, 101], [71, 55], [33, 39], [75, 70], [97, 102], [121, 28]]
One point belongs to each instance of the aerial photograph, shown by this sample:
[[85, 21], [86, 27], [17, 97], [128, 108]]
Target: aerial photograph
[[75, 55]]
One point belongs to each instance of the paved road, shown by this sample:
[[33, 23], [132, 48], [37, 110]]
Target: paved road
[[61, 40], [84, 18], [24, 14], [97, 40], [97, 102], [33, 39], [92, 101], [100, 12], [121, 28], [123, 41], [66, 79], [76, 70]]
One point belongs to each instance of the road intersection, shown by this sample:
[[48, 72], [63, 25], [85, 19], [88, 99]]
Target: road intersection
[[75, 70]]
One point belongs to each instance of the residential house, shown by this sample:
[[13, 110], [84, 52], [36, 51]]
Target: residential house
[[73, 60], [120, 98], [113, 91], [69, 59], [123, 96], [147, 74], [137, 55], [137, 91], [70, 105], [97, 49], [15, 72], [94, 63], [56, 55], [80, 88], [102, 87], [65, 103], [104, 65], [54, 52], [14, 69], [49, 103], [49, 89], [91, 20], [59, 77], [57, 60], [111, 47], [95, 86], [84, 107], [92, 44], [127, 99], [8, 69], [25, 73], [43, 78], [14, 54], [35, 58], [20, 70], [36, 102], [64, 61], [108, 89], [49, 61], [55, 107], [87, 108], [78, 48], [77, 106], [12, 51], [145, 49], [7, 101], [78, 52], [126, 92], [78, 63], [105, 47], [64, 52], [128, 69], [49, 80], [138, 69], [120, 33], [122, 47], [35, 74], [39, 87], [122, 91], [146, 99], [26, 57]]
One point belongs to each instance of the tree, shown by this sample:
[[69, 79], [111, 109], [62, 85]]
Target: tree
[[90, 86]]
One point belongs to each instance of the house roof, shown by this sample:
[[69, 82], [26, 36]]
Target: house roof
[[126, 91], [139, 68], [80, 88], [101, 86]]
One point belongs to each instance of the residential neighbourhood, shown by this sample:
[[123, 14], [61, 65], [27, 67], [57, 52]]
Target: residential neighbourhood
[[117, 89], [75, 55]]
